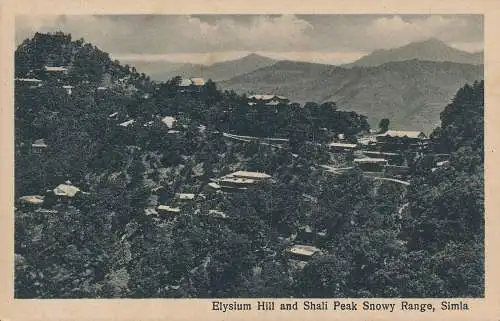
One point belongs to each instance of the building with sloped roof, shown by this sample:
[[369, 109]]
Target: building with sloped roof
[[401, 140], [169, 121], [56, 69], [127, 123], [268, 100], [191, 84], [32, 199], [303, 252], [403, 134], [39, 146], [66, 190], [368, 164], [342, 147], [185, 196]]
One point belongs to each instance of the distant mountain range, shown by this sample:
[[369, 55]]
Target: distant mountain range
[[163, 71], [410, 85], [430, 50], [412, 93]]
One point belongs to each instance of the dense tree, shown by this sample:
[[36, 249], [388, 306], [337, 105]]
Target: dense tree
[[377, 238], [384, 125]]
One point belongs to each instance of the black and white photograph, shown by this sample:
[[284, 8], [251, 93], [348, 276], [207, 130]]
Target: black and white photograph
[[216, 156]]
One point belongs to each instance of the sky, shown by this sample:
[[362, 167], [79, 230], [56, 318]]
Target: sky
[[207, 39]]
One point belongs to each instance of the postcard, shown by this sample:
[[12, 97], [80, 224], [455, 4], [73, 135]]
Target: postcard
[[225, 160]]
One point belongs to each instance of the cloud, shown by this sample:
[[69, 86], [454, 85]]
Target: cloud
[[399, 31], [161, 34], [327, 35]]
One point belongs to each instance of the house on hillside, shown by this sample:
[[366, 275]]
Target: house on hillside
[[168, 211], [370, 164], [185, 197], [399, 139], [242, 180], [258, 176], [267, 100], [31, 200], [215, 214], [65, 192], [56, 69], [212, 187], [39, 146], [302, 252], [342, 147], [30, 83], [169, 121], [191, 84], [127, 123]]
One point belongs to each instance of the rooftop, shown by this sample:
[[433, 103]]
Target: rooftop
[[185, 196], [237, 180], [56, 69], [32, 199], [303, 250], [127, 123], [217, 213], [370, 160], [150, 211], [198, 81], [30, 80], [403, 133], [66, 190], [345, 145], [192, 81], [442, 163], [266, 97], [167, 208], [214, 185], [253, 175], [40, 143], [169, 121]]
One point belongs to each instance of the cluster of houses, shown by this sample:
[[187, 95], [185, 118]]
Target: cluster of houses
[[231, 183], [169, 121], [385, 152], [57, 76], [381, 152], [52, 74], [63, 193], [190, 85]]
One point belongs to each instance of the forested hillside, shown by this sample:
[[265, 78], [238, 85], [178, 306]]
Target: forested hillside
[[411, 93], [377, 238]]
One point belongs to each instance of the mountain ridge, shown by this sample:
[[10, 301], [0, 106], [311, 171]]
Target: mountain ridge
[[411, 93], [217, 71], [430, 50]]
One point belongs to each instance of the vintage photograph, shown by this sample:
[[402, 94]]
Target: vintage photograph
[[249, 156]]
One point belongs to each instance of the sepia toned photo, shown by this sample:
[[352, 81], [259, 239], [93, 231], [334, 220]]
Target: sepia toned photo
[[249, 156]]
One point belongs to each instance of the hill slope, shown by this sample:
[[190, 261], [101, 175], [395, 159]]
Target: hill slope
[[430, 50], [411, 94], [218, 71]]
